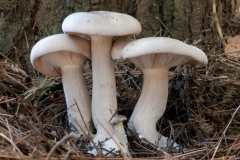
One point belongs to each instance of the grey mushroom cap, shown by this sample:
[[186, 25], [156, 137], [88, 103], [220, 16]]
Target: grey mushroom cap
[[163, 51], [59, 47], [102, 23]]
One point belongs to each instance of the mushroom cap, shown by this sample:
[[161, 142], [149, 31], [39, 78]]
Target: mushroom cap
[[118, 46], [162, 51], [102, 23], [51, 53]]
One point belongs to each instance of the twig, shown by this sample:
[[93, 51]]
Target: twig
[[7, 100], [64, 139], [82, 120], [111, 136], [227, 64], [69, 154], [149, 150], [16, 81], [90, 138], [10, 131], [160, 149], [25, 35], [13, 144], [167, 155], [237, 138], [7, 57], [167, 28], [217, 22], [224, 132], [126, 154], [33, 128], [5, 19]]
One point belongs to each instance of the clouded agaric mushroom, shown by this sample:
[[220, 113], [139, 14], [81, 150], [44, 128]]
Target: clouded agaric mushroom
[[65, 54], [101, 26], [155, 56], [118, 46]]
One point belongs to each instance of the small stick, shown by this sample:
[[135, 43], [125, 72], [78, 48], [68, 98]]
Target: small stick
[[223, 135], [91, 139], [10, 132], [121, 142], [69, 154], [149, 150], [25, 35], [33, 128], [81, 117], [64, 139], [16, 81], [6, 57], [110, 135], [217, 23], [90, 136], [13, 144], [8, 100], [166, 154], [5, 18], [229, 150]]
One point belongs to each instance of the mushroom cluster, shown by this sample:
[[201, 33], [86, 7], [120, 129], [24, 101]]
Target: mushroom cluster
[[65, 54]]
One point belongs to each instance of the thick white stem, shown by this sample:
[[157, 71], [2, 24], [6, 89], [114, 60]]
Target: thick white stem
[[104, 103], [151, 105], [75, 88]]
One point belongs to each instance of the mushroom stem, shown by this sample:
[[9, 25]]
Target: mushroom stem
[[104, 103], [151, 105], [75, 88]]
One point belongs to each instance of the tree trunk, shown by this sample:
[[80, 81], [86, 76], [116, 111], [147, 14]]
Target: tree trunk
[[24, 22]]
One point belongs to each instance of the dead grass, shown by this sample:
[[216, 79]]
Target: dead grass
[[202, 113]]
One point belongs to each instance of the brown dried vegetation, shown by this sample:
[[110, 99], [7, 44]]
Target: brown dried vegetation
[[202, 113]]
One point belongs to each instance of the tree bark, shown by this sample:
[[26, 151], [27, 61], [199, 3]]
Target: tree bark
[[24, 22]]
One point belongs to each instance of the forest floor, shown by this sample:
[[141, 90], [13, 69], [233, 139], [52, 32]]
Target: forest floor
[[202, 113]]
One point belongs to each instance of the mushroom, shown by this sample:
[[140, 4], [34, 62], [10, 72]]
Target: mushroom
[[155, 56], [101, 26], [65, 54], [118, 46]]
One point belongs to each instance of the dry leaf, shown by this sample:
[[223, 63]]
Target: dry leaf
[[232, 48]]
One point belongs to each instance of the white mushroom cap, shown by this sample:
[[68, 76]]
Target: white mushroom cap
[[163, 51], [102, 23], [118, 46], [45, 55]]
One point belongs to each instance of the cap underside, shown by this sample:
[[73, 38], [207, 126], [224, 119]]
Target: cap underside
[[165, 46]]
